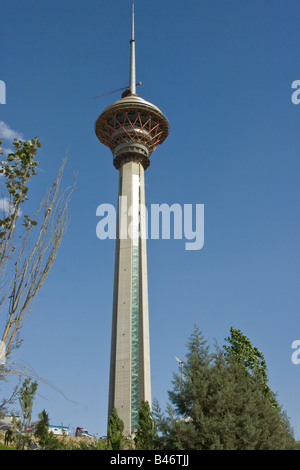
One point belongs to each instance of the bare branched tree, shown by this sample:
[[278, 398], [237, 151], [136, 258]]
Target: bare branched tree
[[28, 245]]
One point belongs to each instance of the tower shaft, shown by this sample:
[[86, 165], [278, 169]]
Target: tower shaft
[[130, 351], [132, 128]]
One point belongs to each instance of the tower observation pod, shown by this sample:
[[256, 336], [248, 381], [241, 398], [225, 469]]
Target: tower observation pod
[[132, 128]]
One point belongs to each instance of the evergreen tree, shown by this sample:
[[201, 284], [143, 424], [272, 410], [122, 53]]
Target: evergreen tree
[[115, 436], [145, 435], [42, 428], [46, 439], [220, 406], [166, 437], [27, 393]]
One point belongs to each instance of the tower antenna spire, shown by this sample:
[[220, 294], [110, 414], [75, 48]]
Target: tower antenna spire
[[132, 80]]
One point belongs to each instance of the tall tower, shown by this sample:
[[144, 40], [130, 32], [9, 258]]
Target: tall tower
[[131, 128]]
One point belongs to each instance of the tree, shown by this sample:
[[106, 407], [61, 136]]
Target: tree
[[145, 435], [115, 438], [220, 406], [166, 437], [42, 429], [28, 244], [253, 360], [26, 397], [45, 438]]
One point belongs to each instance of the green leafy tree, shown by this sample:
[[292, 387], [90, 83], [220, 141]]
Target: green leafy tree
[[242, 349], [28, 243], [115, 438], [146, 432], [220, 406]]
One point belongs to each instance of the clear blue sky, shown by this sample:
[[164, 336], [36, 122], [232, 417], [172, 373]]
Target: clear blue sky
[[221, 71]]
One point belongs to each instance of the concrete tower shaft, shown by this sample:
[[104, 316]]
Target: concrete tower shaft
[[130, 351]]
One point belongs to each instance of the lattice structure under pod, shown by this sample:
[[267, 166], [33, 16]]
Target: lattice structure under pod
[[132, 120]]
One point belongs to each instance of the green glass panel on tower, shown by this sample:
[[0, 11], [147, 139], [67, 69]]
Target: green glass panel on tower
[[135, 302]]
